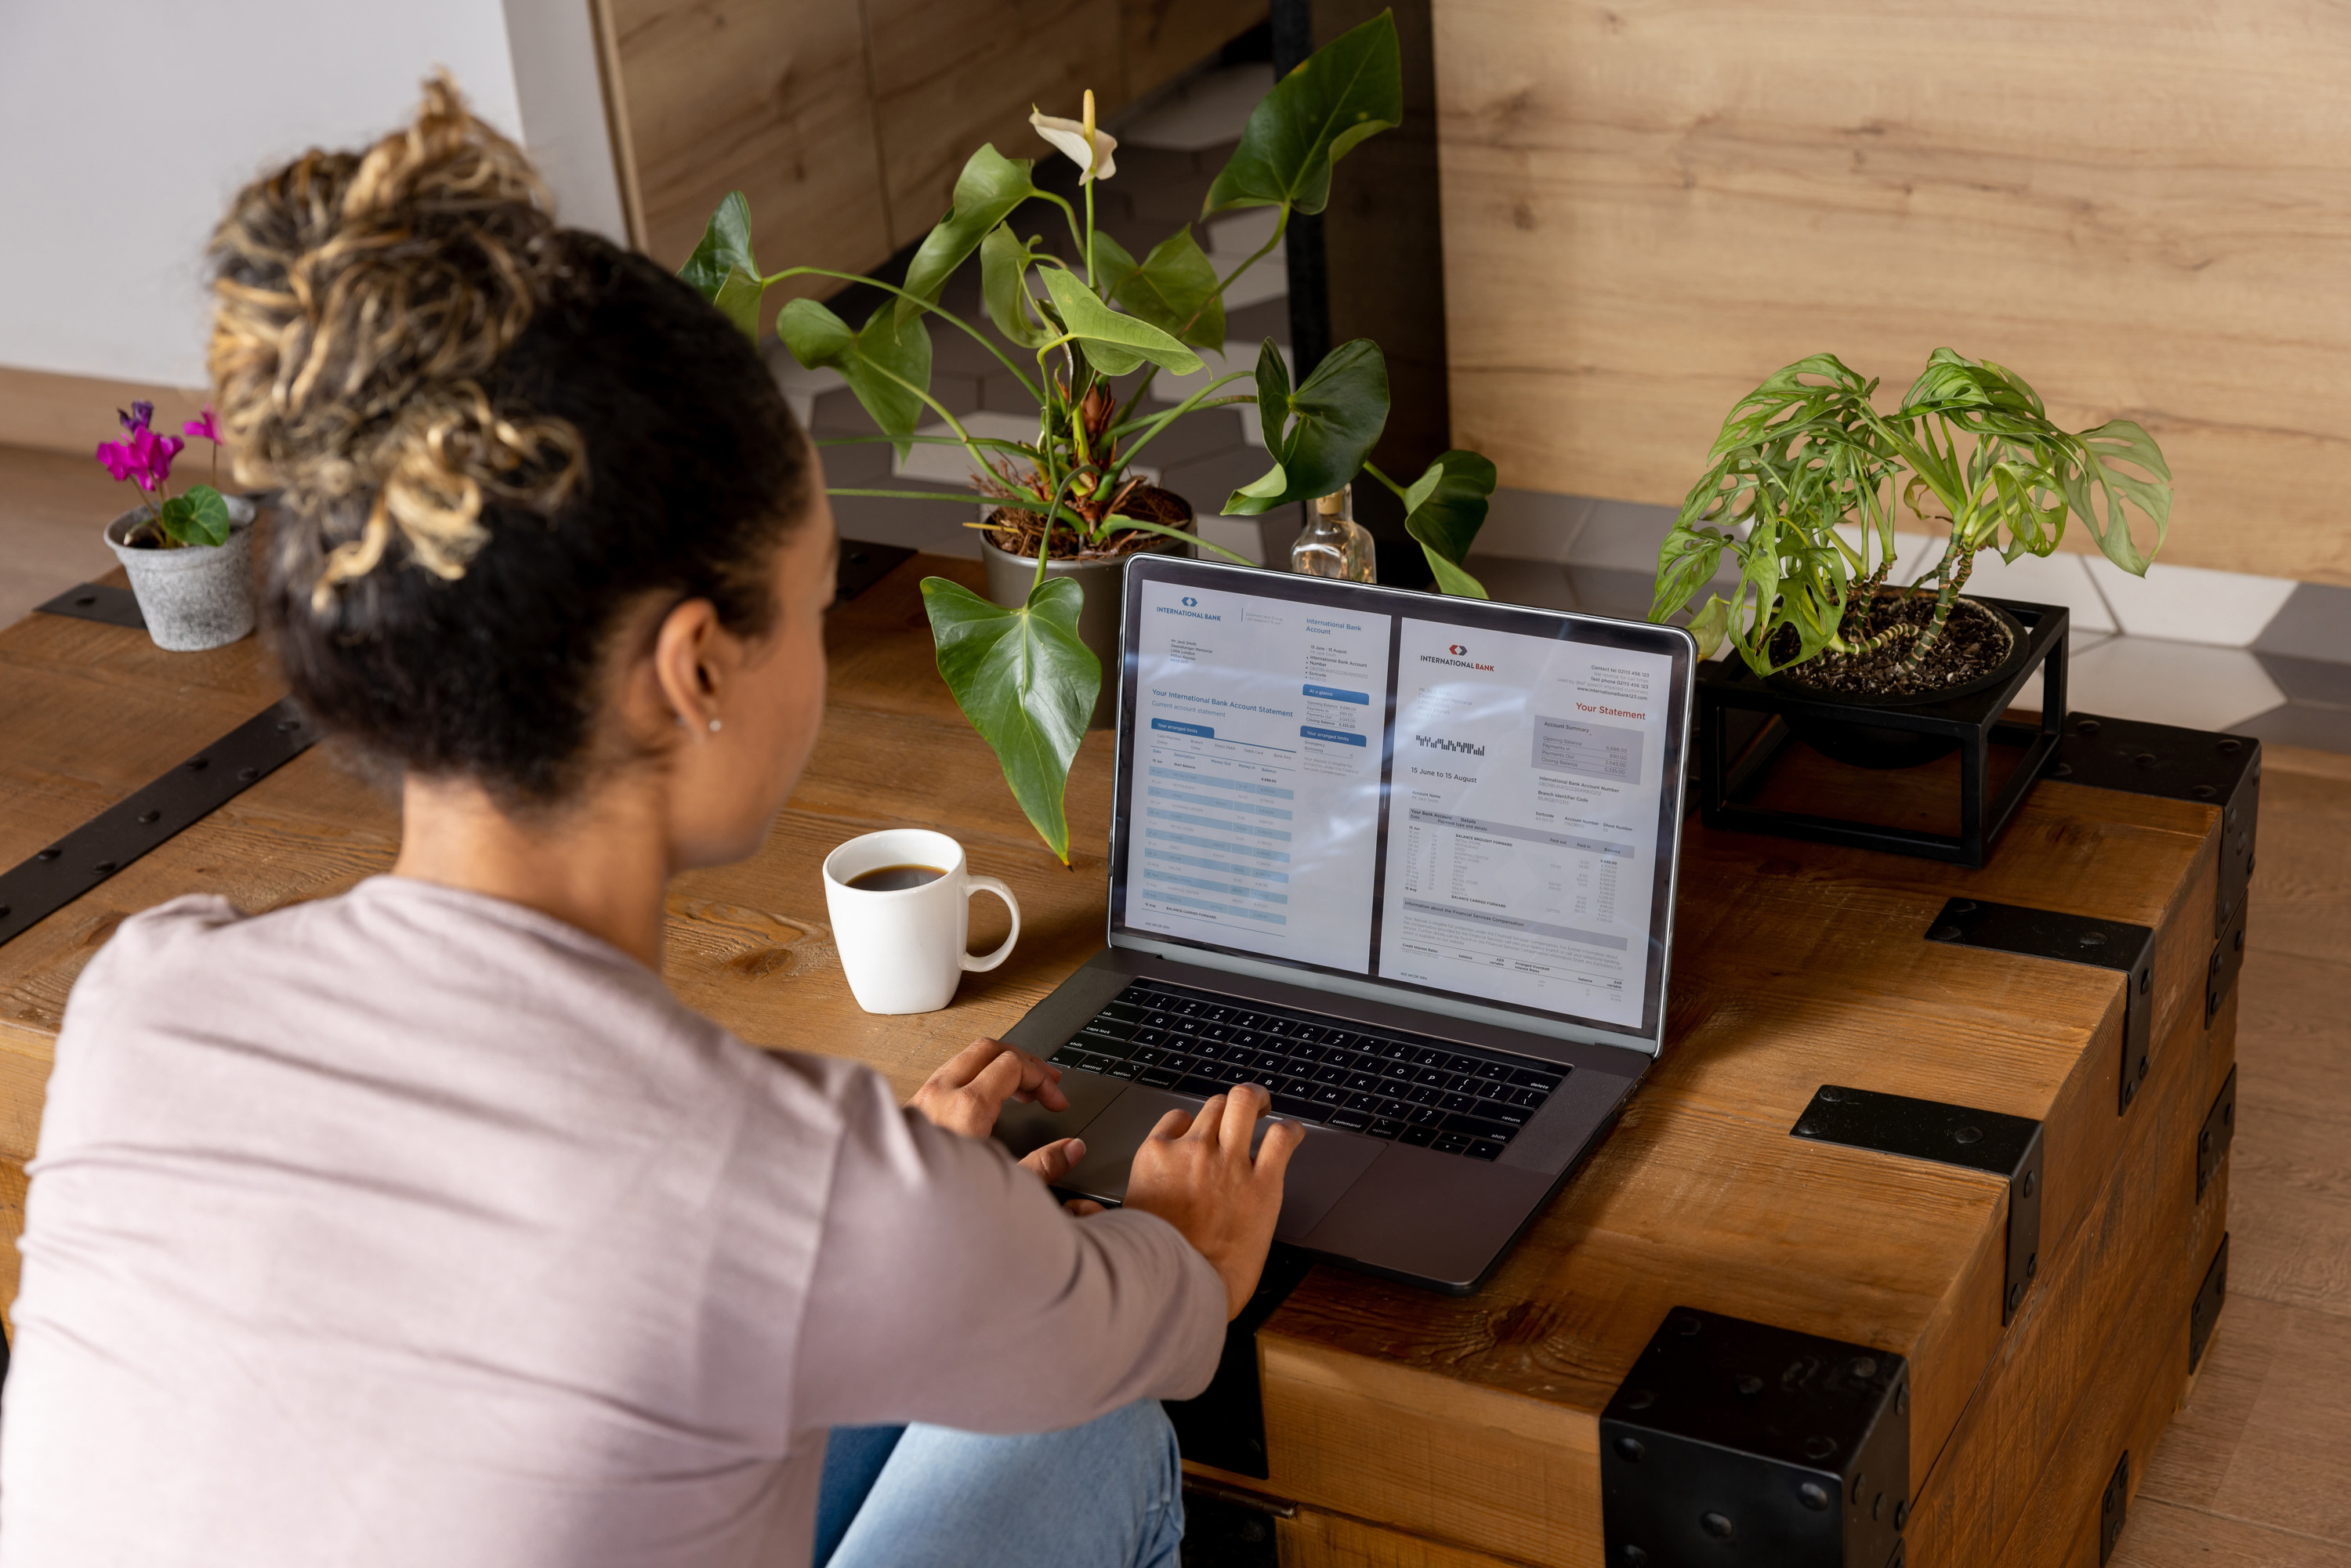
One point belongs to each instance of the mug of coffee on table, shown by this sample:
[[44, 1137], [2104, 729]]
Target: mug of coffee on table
[[901, 905]]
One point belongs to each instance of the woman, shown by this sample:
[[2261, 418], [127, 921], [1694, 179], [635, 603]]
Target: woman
[[423, 1224]]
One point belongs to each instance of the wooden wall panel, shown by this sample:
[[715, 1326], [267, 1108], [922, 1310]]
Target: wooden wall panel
[[2144, 206], [1164, 38], [766, 97]]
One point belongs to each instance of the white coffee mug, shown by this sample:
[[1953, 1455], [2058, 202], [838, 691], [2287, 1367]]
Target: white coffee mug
[[903, 949]]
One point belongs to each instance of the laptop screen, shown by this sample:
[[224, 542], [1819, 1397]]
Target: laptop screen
[[1474, 802]]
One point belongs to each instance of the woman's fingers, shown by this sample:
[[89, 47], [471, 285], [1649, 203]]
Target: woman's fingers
[[967, 1064], [1243, 1106], [1209, 1122], [1056, 1159], [1173, 1124], [1281, 1141], [1081, 1206]]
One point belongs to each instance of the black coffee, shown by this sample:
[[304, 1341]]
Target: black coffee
[[894, 878]]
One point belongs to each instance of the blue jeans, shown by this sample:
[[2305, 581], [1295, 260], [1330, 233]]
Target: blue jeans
[[1108, 1494]]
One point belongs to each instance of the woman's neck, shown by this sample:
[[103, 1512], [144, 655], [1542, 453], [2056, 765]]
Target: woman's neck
[[602, 865]]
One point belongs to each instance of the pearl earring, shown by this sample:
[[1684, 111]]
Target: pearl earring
[[714, 726]]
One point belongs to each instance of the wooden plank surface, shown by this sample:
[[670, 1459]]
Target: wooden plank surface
[[2144, 206], [1467, 1423]]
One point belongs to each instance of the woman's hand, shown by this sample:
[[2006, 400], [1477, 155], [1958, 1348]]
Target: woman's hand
[[964, 1094], [1195, 1172]]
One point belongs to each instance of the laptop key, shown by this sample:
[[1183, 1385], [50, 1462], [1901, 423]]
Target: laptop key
[[1477, 1127], [1121, 1069], [1206, 1088], [1484, 1149], [1156, 1077], [1366, 1104], [1331, 1096], [1299, 1107], [1451, 1101], [1450, 1144], [1509, 1115], [1363, 1081], [1419, 1138], [1350, 1121], [1542, 1082], [1070, 1056], [1384, 1127]]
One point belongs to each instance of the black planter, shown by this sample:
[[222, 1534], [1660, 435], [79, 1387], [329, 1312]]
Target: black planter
[[1745, 723]]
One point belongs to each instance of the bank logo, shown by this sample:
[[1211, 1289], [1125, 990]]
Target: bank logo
[[1456, 650], [1189, 601]]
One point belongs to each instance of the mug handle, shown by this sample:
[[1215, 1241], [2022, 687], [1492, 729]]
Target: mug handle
[[989, 884]]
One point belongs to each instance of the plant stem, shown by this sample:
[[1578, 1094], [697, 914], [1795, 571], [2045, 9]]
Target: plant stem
[[1402, 493], [1090, 233], [948, 316], [1137, 525], [935, 406], [1161, 422], [1945, 597], [1281, 226]]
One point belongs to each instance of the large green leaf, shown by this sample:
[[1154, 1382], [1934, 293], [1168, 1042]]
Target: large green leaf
[[886, 366], [726, 246], [1114, 343], [198, 517], [1347, 90], [1443, 509], [1003, 283], [986, 191], [738, 299], [1173, 289], [1027, 684], [2121, 441], [1339, 411]]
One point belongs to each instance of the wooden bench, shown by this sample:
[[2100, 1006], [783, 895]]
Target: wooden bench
[[1400, 1426]]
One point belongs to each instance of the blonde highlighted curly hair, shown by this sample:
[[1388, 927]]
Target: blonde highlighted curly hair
[[360, 301]]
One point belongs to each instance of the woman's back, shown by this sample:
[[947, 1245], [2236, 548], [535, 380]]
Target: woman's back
[[414, 1225]]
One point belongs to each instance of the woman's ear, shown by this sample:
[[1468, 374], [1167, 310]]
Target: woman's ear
[[691, 665]]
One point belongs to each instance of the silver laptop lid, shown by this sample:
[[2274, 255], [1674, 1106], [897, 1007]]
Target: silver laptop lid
[[1467, 807]]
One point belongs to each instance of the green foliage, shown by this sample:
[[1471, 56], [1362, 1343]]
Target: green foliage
[[1318, 433], [1027, 684], [1113, 344], [1970, 450], [1004, 261], [198, 516], [1348, 90], [1443, 509], [1175, 288], [725, 247], [887, 366], [986, 191]]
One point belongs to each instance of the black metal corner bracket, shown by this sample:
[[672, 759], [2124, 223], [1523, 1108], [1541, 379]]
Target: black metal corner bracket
[[38, 888], [862, 565], [2114, 1507], [97, 602], [2213, 1138], [1224, 1425], [1987, 1140], [2074, 939], [2162, 760], [1735, 1441], [2204, 1311]]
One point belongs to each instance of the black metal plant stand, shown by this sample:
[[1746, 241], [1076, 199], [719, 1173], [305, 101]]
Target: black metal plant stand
[[1735, 751]]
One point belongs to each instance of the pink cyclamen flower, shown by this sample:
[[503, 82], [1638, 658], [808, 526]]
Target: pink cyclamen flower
[[145, 459], [203, 426], [141, 414], [117, 458]]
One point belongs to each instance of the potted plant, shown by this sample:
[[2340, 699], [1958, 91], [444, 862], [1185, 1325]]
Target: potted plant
[[1806, 482], [1068, 507], [190, 556]]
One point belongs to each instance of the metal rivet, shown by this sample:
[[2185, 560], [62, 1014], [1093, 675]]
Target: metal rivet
[[2032, 1180], [248, 775], [1642, 1399], [87, 600], [1748, 1383], [2087, 727], [1686, 1326], [2143, 760], [2145, 981], [4, 911], [2230, 748], [149, 816], [200, 764], [1630, 1451], [2061, 770], [286, 725], [1865, 1366], [2130, 1087], [2015, 1295], [1967, 1135], [2240, 941], [1634, 1555], [48, 855], [2092, 939], [1902, 1400], [1819, 1447], [2203, 791], [1878, 1506], [104, 868], [2142, 1067], [1832, 1095], [1813, 1495], [1859, 1480], [1716, 1525], [1808, 1129], [1963, 907], [2229, 1114], [2032, 1265], [1901, 1516], [1943, 934]]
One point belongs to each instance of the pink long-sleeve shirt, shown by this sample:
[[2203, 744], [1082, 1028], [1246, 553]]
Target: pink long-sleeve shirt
[[413, 1226]]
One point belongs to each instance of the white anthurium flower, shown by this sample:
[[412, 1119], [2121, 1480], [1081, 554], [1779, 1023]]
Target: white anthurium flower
[[1089, 148]]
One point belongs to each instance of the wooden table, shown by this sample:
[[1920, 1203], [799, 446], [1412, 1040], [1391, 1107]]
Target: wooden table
[[1403, 1427]]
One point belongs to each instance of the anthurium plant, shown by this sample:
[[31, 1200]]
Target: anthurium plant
[[1969, 452], [198, 515], [1082, 318]]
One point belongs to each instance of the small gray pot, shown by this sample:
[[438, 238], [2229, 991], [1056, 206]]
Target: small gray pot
[[1010, 578], [196, 596]]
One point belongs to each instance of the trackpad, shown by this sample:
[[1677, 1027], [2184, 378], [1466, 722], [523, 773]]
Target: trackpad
[[1322, 1169]]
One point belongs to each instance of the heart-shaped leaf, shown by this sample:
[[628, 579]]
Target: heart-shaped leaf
[[887, 367], [1027, 684], [1175, 287], [1003, 283], [738, 300], [198, 517], [726, 246], [1114, 343], [986, 191], [1443, 509], [1349, 88], [1339, 411]]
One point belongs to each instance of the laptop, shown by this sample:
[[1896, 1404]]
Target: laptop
[[1407, 862]]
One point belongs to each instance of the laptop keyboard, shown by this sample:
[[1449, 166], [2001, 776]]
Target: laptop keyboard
[[1432, 1093]]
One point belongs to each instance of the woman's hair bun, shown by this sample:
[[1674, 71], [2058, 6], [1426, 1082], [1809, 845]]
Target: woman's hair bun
[[361, 302]]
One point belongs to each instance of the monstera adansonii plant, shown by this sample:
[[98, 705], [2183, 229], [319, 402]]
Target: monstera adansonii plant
[[1083, 319]]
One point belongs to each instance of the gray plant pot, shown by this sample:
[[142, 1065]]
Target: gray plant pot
[[1010, 578], [198, 596]]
